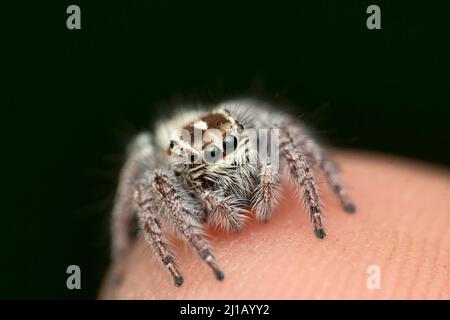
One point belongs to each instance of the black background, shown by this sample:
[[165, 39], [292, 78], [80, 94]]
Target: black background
[[72, 98]]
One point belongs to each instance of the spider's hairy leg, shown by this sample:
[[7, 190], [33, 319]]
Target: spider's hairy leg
[[151, 228], [140, 155], [225, 212], [267, 192], [318, 155], [303, 176], [331, 172], [174, 200]]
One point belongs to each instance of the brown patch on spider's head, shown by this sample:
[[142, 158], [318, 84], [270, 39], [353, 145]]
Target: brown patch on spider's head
[[211, 127], [210, 121], [208, 133]]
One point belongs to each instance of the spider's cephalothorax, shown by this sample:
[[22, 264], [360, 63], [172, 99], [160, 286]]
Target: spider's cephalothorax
[[214, 168], [211, 155]]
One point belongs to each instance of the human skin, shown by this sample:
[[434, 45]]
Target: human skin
[[402, 227]]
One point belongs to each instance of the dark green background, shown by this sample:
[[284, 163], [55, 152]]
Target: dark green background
[[71, 99]]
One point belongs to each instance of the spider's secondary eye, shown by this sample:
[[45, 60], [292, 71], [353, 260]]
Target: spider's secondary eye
[[212, 154], [230, 144], [193, 158]]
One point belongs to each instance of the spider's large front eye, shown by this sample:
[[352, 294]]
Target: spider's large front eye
[[212, 154], [229, 144]]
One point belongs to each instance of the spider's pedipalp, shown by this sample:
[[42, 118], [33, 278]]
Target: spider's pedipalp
[[267, 192], [227, 213]]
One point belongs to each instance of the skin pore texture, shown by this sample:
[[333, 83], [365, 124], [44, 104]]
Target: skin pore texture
[[402, 227]]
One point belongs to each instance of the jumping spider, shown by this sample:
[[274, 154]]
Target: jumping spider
[[204, 168]]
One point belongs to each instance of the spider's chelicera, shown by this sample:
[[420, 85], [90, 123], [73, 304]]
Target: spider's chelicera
[[216, 167]]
